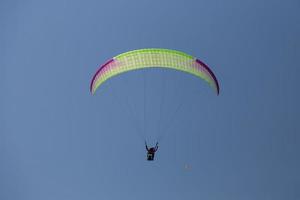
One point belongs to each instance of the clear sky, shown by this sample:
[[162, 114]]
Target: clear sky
[[57, 141]]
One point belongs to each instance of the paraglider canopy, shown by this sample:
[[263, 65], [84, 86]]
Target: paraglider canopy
[[153, 57]]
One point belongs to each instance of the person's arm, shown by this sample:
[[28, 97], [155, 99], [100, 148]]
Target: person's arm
[[156, 146], [146, 146]]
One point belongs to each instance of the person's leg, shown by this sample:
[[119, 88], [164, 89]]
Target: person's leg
[[152, 157]]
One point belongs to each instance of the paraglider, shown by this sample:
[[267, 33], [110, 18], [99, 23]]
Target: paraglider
[[151, 151], [150, 58]]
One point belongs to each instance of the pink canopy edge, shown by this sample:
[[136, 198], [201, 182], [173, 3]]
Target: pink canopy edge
[[98, 71]]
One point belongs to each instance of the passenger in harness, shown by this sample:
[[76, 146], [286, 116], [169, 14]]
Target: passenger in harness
[[151, 151]]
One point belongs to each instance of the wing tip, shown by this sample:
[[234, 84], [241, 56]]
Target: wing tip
[[211, 73], [92, 88]]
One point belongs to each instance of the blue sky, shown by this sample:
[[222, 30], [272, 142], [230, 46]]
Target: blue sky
[[57, 141]]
